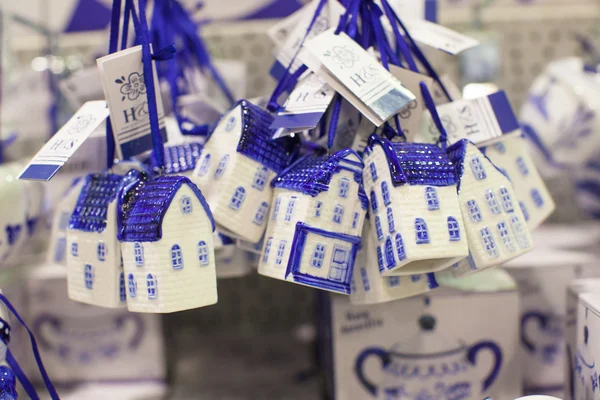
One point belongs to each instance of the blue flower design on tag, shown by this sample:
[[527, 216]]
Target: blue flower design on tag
[[344, 55], [594, 381], [133, 86]]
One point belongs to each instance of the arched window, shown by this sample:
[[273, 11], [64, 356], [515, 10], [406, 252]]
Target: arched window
[[477, 168], [138, 252], [290, 209], [390, 260], [101, 251], [74, 249], [421, 231], [122, 292], [276, 208], [260, 178], [390, 217], [492, 202], [524, 210], [176, 257], [500, 147], [522, 166], [338, 213], [488, 243], [504, 235], [380, 258], [507, 203], [265, 258], [186, 204], [415, 278], [453, 229], [280, 251], [474, 212], [261, 213], [373, 171], [537, 198], [202, 253], [204, 164], [431, 197], [221, 167], [519, 231], [400, 247], [374, 205], [151, 285], [60, 250], [393, 281], [131, 286], [355, 220], [344, 187], [378, 228], [238, 198], [88, 276], [318, 208], [318, 256], [385, 193], [230, 124], [365, 279]]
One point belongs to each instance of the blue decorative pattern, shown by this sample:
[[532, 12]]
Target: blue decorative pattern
[[344, 187], [365, 279], [151, 286], [374, 205], [519, 231], [474, 211], [431, 197], [507, 203], [500, 147], [504, 235], [318, 208], [453, 229], [88, 276], [176, 257], [101, 251], [385, 193], [280, 251], [181, 158], [378, 228], [488, 242], [202, 253], [238, 198], [457, 153], [477, 168], [122, 290], [145, 207], [537, 198], [373, 169], [380, 258], [400, 247], [260, 178], [522, 166], [74, 249], [393, 281], [492, 202], [355, 220], [390, 218], [318, 256], [421, 232], [138, 251], [261, 213], [338, 213], [222, 166], [290, 209], [390, 260], [132, 286], [524, 210], [276, 208], [204, 165], [267, 250], [186, 204]]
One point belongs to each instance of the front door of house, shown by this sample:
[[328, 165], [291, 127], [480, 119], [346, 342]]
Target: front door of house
[[338, 270]]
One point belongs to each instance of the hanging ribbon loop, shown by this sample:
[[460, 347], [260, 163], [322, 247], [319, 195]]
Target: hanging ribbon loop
[[434, 115]]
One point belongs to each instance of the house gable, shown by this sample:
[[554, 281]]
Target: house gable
[[465, 152]]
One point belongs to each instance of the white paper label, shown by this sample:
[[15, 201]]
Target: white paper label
[[57, 151], [357, 76], [438, 36], [122, 77]]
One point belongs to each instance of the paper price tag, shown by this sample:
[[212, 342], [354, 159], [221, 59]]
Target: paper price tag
[[438, 36], [356, 75], [57, 151], [122, 78]]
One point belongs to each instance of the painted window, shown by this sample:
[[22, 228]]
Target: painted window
[[474, 211], [186, 204], [355, 220], [488, 242], [400, 247], [238, 198], [393, 281], [537, 198], [504, 235], [477, 168], [374, 205], [385, 193], [202, 253], [390, 218], [378, 228], [260, 178], [204, 164], [338, 270], [519, 231], [318, 208], [390, 260], [261, 213], [64, 220], [280, 251], [60, 249], [453, 229], [318, 256], [265, 258], [88, 276], [373, 171], [230, 124], [276, 208], [380, 258], [365, 279], [344, 187], [522, 166], [431, 196], [338, 213], [507, 202], [500, 147], [122, 291], [352, 286], [290, 209], [415, 278], [492, 202], [101, 251], [221, 167], [131, 286], [138, 252], [524, 210], [176, 257], [421, 231], [74, 249], [151, 285]]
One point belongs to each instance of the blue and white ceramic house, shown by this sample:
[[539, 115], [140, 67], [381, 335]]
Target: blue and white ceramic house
[[181, 159], [166, 233], [57, 253], [494, 224], [13, 212], [415, 214], [235, 170], [315, 225], [94, 267], [512, 158]]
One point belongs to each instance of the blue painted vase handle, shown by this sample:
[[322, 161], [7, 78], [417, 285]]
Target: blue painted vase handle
[[532, 315], [495, 349], [360, 361]]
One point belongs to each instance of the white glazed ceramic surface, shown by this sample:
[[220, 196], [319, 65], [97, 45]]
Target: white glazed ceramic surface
[[587, 354], [13, 211]]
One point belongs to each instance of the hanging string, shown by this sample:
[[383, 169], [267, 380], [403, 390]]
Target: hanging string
[[434, 114]]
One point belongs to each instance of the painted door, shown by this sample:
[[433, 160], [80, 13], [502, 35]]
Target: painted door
[[338, 270]]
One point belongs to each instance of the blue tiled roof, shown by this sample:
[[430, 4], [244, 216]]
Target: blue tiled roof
[[96, 194], [256, 142], [416, 163], [182, 157], [311, 175], [145, 205]]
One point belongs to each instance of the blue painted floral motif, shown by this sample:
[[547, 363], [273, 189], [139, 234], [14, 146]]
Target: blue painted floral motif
[[132, 87], [594, 381]]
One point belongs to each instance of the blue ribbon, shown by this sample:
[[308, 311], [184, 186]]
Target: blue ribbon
[[434, 114], [23, 379]]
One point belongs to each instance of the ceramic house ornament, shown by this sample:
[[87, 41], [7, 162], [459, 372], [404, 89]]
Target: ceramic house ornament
[[238, 162], [181, 159], [415, 214], [512, 158], [315, 223], [495, 226], [166, 233], [94, 267]]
